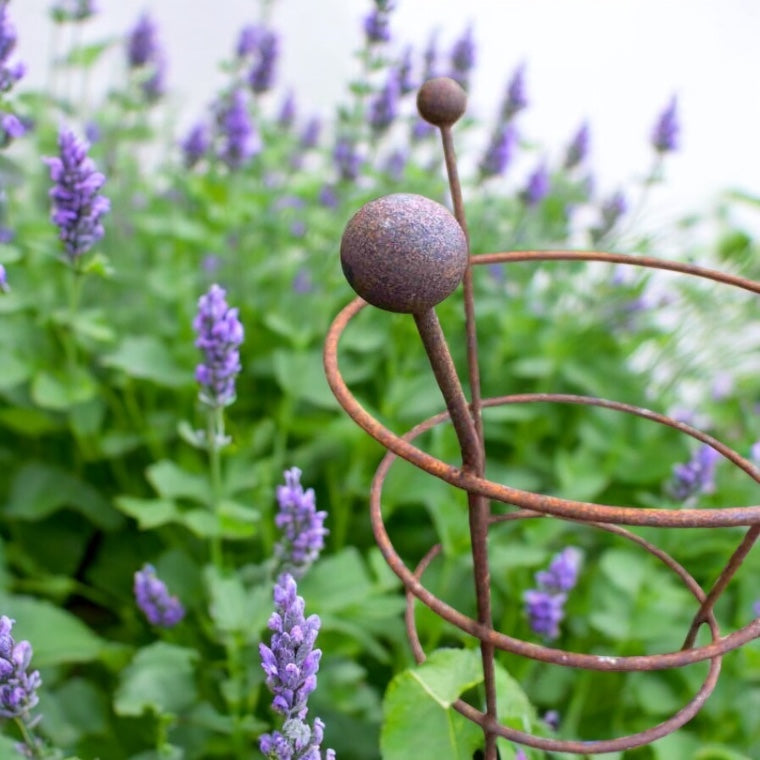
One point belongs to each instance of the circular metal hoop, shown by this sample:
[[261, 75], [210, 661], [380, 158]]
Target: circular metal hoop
[[534, 505]]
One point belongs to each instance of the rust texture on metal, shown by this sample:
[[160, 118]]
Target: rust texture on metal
[[405, 253]]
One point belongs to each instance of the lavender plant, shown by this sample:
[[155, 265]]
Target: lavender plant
[[153, 598]]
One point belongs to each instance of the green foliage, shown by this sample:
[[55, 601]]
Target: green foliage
[[109, 461]]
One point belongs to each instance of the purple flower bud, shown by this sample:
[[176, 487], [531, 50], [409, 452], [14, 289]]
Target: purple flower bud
[[287, 114], [248, 41], [754, 453], [377, 27], [537, 187], [290, 665], [520, 754], [77, 205], [756, 608], [4, 287], [463, 58], [562, 573], [220, 334], [310, 134], [499, 151], [552, 719], [328, 197], [18, 689], [578, 148], [516, 99], [154, 600], [11, 127], [395, 164], [383, 107], [301, 524], [666, 131], [9, 74], [262, 73], [545, 612], [697, 476], [240, 140], [406, 81], [347, 158], [195, 145], [143, 46]]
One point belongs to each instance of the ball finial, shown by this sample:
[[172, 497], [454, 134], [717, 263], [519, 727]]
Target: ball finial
[[404, 253], [441, 101]]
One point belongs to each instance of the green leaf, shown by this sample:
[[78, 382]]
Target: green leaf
[[15, 370], [301, 375], [147, 358], [62, 389], [87, 55], [39, 490], [172, 482], [160, 679], [417, 720], [149, 513], [233, 607], [56, 635]]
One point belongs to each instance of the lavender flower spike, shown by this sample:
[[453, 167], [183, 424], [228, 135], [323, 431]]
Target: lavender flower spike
[[195, 145], [18, 688], [499, 151], [517, 98], [219, 336], [578, 148], [4, 287], [545, 605], [300, 523], [537, 187], [240, 139], [377, 26], [143, 46], [290, 664], [695, 476], [154, 600], [9, 74], [77, 205], [463, 58], [262, 73], [666, 130], [383, 108]]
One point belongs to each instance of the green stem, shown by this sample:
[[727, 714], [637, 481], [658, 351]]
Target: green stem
[[28, 737], [214, 441]]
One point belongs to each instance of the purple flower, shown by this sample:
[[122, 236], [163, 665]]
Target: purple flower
[[240, 139], [262, 73], [143, 46], [310, 134], [422, 129], [463, 58], [248, 40], [153, 599], [220, 333], [499, 151], [195, 145], [383, 107], [537, 187], [516, 99], [9, 74], [11, 127], [756, 608], [666, 130], [545, 605], [287, 114], [562, 573], [4, 287], [302, 283], [77, 205], [348, 160], [430, 58], [395, 164], [552, 719], [290, 665], [754, 453], [301, 524], [611, 211], [406, 82], [18, 688], [695, 476], [328, 196], [520, 754], [545, 611], [74, 10], [377, 27], [578, 148]]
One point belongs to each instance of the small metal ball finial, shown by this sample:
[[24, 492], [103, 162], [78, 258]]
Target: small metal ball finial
[[404, 253], [441, 101]]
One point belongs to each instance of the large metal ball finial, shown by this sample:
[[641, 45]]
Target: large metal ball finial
[[441, 101], [404, 253]]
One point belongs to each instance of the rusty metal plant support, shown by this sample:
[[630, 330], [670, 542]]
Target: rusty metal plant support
[[405, 253]]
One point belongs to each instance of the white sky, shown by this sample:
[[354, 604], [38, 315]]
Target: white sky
[[615, 63]]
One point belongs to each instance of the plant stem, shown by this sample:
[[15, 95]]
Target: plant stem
[[215, 441]]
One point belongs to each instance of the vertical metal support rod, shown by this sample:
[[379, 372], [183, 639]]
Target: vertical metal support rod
[[473, 460]]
